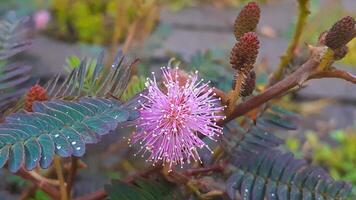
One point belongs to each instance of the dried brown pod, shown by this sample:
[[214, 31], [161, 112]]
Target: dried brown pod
[[341, 33], [244, 53], [247, 20]]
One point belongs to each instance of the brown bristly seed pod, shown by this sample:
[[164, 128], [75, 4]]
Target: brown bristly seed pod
[[244, 53], [36, 93], [249, 85], [340, 53], [247, 20], [341, 33]]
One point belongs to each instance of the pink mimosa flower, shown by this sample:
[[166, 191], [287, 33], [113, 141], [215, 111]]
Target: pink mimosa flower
[[172, 119], [41, 19]]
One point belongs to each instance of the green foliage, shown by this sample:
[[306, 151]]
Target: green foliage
[[140, 189], [135, 86], [319, 23], [177, 5], [40, 195], [263, 171], [13, 38], [16, 180], [13, 77], [97, 21], [275, 175], [91, 78], [57, 127], [259, 137], [13, 80], [211, 65], [338, 156]]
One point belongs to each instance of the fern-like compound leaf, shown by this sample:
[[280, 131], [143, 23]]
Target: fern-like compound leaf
[[13, 38], [58, 127], [87, 79], [13, 82], [276, 175], [141, 189]]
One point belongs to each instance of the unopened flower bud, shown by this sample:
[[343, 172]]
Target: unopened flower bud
[[247, 20], [244, 53], [341, 33]]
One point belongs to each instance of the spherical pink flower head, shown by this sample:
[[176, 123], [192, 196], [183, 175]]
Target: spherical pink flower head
[[172, 119], [41, 19]]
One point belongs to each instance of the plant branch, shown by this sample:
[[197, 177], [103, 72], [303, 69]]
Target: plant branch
[[63, 187], [334, 73], [234, 94], [197, 171], [296, 78], [288, 55], [40, 183], [72, 173]]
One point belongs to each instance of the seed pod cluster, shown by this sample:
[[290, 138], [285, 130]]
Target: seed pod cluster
[[244, 53], [340, 33], [247, 20], [36, 93]]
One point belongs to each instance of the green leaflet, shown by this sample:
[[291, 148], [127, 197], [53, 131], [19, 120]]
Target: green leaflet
[[280, 176], [57, 127], [140, 189], [90, 78]]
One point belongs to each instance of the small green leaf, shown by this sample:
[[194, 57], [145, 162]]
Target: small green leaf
[[17, 154], [32, 153]]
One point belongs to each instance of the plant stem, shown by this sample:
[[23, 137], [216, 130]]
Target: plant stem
[[40, 183], [298, 77], [213, 168], [130, 36], [72, 172], [58, 167], [288, 55], [326, 60], [235, 93]]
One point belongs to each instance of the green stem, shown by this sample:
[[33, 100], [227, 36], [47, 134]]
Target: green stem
[[288, 55], [235, 92], [62, 186], [72, 173]]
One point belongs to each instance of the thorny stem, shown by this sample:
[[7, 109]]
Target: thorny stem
[[235, 93], [288, 55], [63, 187]]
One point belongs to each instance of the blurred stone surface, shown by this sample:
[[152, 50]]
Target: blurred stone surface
[[202, 28]]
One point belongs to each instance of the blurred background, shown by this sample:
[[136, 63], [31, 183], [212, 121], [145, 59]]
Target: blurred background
[[198, 33]]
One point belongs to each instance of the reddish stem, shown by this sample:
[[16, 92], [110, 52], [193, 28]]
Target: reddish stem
[[298, 77], [46, 187]]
